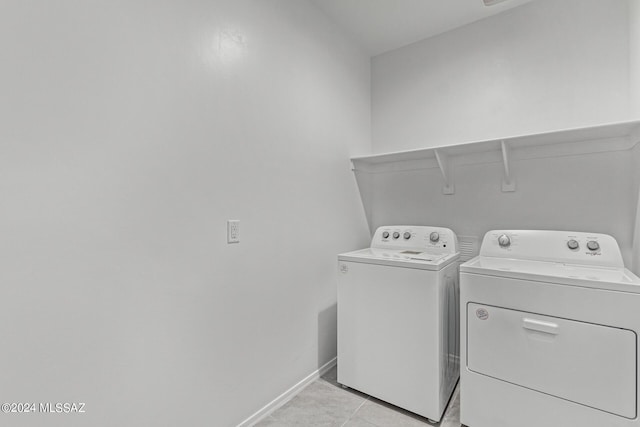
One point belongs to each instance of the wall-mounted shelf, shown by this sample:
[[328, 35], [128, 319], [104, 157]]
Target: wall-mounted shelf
[[569, 142]]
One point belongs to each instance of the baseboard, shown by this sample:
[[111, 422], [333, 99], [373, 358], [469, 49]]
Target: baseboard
[[287, 395]]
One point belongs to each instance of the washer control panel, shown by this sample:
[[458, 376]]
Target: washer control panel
[[416, 237], [504, 241], [567, 247]]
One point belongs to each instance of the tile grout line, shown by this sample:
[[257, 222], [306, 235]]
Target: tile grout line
[[354, 412]]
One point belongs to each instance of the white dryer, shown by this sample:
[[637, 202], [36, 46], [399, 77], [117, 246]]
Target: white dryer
[[398, 320], [550, 323]]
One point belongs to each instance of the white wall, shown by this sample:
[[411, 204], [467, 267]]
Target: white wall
[[130, 131], [544, 66], [589, 192], [634, 55], [635, 255]]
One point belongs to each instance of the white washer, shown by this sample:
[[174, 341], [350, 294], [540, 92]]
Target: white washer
[[398, 320], [550, 323]]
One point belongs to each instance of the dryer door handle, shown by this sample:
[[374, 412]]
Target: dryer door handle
[[540, 326]]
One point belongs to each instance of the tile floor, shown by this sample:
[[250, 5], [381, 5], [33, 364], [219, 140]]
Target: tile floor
[[325, 403]]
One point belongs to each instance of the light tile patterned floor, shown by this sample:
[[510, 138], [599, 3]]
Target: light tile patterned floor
[[325, 403]]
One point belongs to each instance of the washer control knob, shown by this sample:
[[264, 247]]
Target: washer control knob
[[593, 245], [573, 244], [385, 234], [396, 234], [504, 241], [406, 235], [434, 236]]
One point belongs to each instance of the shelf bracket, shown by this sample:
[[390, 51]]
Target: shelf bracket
[[508, 181], [444, 163]]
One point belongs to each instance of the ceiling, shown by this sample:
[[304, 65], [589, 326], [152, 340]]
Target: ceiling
[[382, 25]]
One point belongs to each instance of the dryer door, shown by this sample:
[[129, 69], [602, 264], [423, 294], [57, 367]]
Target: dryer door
[[585, 363]]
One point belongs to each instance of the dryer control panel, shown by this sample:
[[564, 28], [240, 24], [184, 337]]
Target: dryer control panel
[[416, 237], [569, 247]]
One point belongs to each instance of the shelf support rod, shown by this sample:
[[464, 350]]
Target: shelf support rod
[[444, 163], [508, 181]]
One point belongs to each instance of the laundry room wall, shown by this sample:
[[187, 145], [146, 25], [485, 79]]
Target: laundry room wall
[[635, 257], [634, 55], [544, 66], [591, 192], [130, 131]]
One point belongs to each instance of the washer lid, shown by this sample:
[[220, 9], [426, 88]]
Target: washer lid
[[407, 258], [619, 279]]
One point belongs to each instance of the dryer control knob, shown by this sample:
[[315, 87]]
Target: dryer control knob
[[504, 241], [406, 235], [385, 234], [573, 244], [434, 236], [396, 234], [593, 245]]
